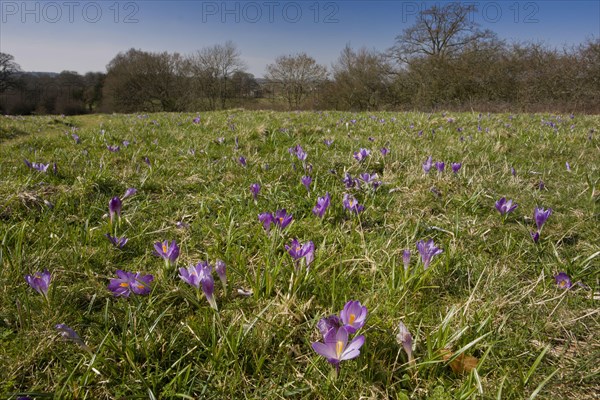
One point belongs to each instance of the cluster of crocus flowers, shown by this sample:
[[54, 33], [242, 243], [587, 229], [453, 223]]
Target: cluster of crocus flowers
[[428, 250], [361, 154], [127, 283], [38, 166], [299, 251], [322, 205], [200, 276], [540, 216], [40, 282], [351, 204], [166, 251], [298, 151], [336, 330], [281, 219]]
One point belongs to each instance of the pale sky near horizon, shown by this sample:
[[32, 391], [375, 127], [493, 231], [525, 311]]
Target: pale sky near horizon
[[82, 36]]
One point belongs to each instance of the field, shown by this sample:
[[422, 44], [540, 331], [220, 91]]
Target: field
[[486, 315]]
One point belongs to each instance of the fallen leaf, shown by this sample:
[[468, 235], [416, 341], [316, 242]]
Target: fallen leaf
[[461, 364]]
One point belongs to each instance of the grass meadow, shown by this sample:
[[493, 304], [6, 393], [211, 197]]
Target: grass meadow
[[487, 318]]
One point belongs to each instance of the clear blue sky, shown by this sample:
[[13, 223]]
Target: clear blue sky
[[85, 35]]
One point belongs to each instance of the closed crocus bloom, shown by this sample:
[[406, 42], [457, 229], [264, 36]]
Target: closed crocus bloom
[[427, 165], [118, 242], [322, 205], [540, 215], [129, 192], [353, 316], [406, 259], [405, 339], [254, 189], [114, 208], [221, 269], [306, 181], [456, 167], [440, 165], [266, 219]]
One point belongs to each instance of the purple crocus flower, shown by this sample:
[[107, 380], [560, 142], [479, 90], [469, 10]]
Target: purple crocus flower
[[196, 120], [326, 323], [76, 138], [353, 316], [266, 219], [282, 219], [126, 143], [298, 251], [147, 160], [114, 207], [306, 181], [361, 154], [67, 333], [200, 275], [440, 165], [427, 165], [168, 252], [405, 339], [328, 142], [513, 171], [221, 269], [118, 242], [406, 259], [336, 347], [191, 275], [242, 161], [540, 215], [351, 204], [37, 166], [129, 192], [563, 281], [427, 250], [298, 151], [113, 149], [40, 281], [505, 206], [255, 188], [535, 236], [301, 154], [128, 282], [348, 181], [384, 151], [370, 180], [568, 166], [456, 167], [322, 205]]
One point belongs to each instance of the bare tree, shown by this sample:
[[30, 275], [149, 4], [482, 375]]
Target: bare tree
[[297, 75], [440, 32], [8, 69], [212, 67], [362, 79]]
